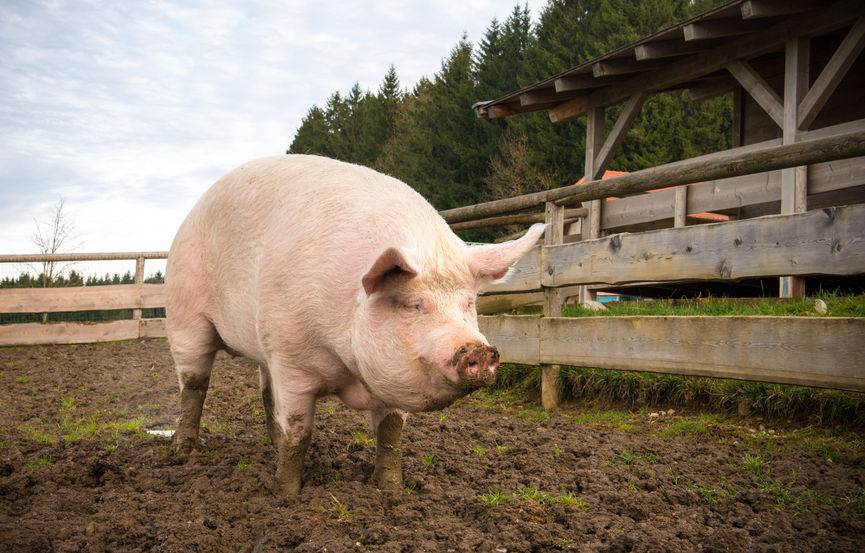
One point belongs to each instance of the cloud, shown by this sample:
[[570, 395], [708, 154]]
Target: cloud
[[131, 110]]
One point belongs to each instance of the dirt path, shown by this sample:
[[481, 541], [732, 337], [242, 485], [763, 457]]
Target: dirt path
[[77, 473]]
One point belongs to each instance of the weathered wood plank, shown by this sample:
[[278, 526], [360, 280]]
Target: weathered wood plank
[[107, 256], [583, 82], [152, 328], [81, 298], [526, 275], [829, 241], [731, 193], [824, 352], [624, 66], [719, 28], [516, 337], [666, 49], [568, 110], [753, 9], [68, 333]]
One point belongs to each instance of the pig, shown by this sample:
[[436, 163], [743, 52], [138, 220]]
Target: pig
[[337, 280]]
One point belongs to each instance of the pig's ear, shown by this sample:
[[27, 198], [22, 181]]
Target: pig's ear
[[391, 262], [492, 261]]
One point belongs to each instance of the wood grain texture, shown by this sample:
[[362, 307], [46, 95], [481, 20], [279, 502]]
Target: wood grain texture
[[829, 241], [516, 337], [824, 352], [68, 333], [810, 351], [81, 298]]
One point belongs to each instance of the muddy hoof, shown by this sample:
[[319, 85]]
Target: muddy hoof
[[184, 445], [390, 481]]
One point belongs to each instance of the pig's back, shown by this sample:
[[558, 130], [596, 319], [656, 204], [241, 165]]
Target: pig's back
[[283, 242]]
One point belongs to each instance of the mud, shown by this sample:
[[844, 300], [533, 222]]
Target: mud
[[76, 476]]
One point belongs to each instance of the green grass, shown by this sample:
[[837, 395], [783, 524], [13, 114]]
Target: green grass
[[689, 427], [39, 463], [494, 499], [711, 495], [429, 460], [532, 494], [22, 379], [336, 510], [856, 503], [479, 451], [755, 464], [534, 413], [786, 497], [839, 306], [632, 458], [502, 449], [362, 439], [570, 499], [242, 465]]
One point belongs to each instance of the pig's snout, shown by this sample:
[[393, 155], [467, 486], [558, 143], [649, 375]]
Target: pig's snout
[[476, 365]]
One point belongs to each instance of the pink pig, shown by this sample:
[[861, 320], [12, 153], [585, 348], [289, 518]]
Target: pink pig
[[337, 280]]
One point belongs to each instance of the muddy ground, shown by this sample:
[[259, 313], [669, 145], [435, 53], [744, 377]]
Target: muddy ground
[[78, 474]]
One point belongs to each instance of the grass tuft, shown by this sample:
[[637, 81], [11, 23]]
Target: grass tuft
[[755, 464], [570, 499], [362, 439], [479, 451], [429, 460], [494, 499], [337, 510]]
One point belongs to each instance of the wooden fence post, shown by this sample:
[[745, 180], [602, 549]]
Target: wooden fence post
[[554, 216], [794, 180], [139, 281]]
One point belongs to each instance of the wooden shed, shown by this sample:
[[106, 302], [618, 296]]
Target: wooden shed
[[795, 72]]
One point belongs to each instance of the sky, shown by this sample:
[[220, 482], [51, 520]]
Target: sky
[[129, 111]]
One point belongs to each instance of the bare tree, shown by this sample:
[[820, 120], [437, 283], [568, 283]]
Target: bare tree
[[53, 236]]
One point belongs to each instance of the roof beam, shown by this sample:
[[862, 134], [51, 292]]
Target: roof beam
[[666, 49], [753, 9], [831, 76], [719, 28], [759, 89], [570, 109], [544, 96], [697, 65], [582, 82], [623, 66]]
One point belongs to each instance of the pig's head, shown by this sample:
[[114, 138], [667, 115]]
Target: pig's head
[[415, 331]]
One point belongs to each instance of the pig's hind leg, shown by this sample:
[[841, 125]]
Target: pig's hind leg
[[387, 426], [193, 349]]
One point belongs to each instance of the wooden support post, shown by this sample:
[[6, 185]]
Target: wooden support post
[[680, 209], [553, 301], [794, 180], [139, 281], [591, 225]]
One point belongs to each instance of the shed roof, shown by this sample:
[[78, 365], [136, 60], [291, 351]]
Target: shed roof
[[692, 54]]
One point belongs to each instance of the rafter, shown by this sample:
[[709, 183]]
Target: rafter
[[759, 89]]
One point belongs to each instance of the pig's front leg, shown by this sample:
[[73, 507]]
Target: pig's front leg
[[387, 426], [294, 415]]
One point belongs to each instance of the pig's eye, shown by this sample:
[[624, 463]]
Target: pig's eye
[[410, 306]]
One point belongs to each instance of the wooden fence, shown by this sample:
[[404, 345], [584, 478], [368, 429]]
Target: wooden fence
[[830, 240]]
